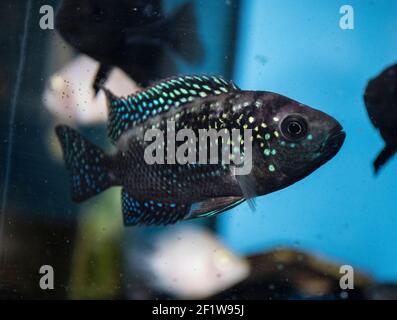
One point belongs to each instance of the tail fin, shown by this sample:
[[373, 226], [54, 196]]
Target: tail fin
[[182, 29], [89, 167]]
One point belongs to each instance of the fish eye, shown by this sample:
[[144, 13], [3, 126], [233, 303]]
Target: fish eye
[[294, 127]]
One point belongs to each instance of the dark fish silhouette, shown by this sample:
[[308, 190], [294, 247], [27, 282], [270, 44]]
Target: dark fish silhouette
[[289, 141], [381, 101], [134, 35]]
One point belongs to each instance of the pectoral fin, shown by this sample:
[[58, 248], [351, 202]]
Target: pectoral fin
[[247, 186]]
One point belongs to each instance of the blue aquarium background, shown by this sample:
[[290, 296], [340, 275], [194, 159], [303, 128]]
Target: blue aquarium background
[[341, 214], [342, 210]]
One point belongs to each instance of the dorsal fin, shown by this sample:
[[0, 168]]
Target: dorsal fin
[[125, 113]]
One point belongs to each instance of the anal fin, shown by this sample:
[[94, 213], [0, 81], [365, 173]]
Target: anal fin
[[151, 212], [214, 206]]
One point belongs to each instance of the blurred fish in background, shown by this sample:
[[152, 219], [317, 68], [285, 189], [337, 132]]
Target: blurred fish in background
[[135, 35], [381, 101], [70, 97], [286, 273], [189, 262]]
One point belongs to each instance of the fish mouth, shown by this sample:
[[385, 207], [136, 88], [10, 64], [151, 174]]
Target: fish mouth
[[330, 147], [333, 142], [327, 150]]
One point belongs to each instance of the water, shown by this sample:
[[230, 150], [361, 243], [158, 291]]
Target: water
[[341, 210], [342, 213]]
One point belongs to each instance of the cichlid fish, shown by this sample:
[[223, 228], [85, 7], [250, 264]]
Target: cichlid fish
[[289, 141], [134, 35], [381, 101]]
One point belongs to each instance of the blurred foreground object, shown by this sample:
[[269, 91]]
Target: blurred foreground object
[[288, 274], [382, 291], [183, 262]]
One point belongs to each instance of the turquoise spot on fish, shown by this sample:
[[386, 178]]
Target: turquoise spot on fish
[[216, 80]]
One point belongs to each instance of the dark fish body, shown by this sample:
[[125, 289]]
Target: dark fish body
[[381, 102], [289, 141], [134, 35]]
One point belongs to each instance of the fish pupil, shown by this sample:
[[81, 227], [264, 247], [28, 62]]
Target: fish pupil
[[294, 127]]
